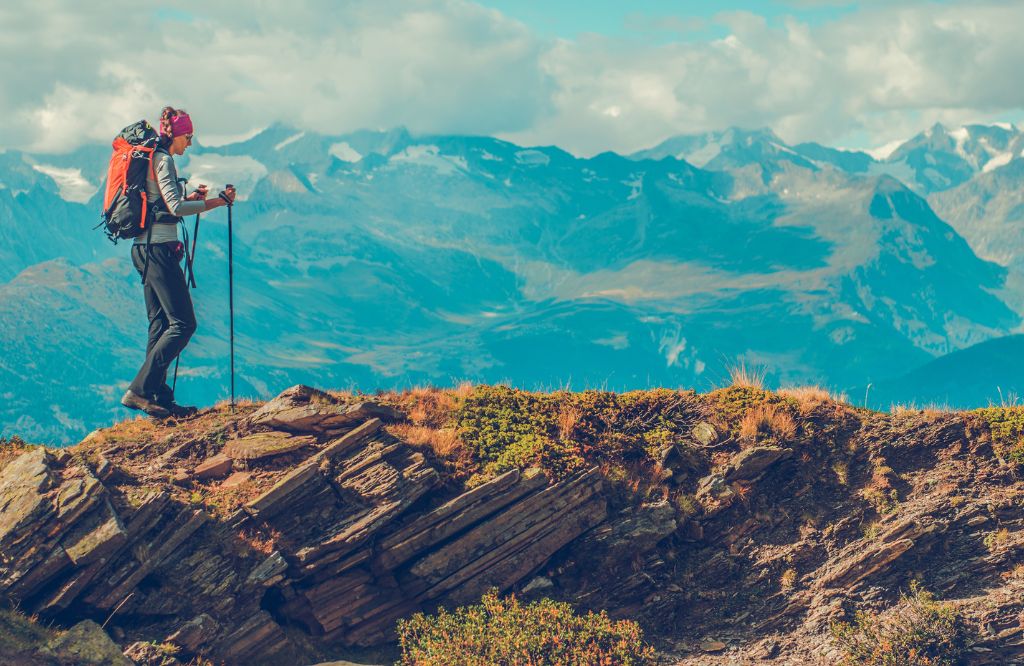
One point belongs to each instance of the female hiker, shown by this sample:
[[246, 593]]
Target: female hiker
[[172, 320]]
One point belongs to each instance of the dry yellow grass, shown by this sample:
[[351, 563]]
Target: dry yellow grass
[[425, 405], [443, 442], [767, 421], [808, 398], [744, 377], [568, 417]]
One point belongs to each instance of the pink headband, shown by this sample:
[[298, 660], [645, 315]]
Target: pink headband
[[181, 125]]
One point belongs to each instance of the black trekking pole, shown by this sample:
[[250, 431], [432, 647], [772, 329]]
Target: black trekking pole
[[231, 296]]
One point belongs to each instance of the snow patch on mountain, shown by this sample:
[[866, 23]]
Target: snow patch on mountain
[[997, 161], [289, 140], [702, 156], [217, 170], [71, 184], [883, 152], [532, 157], [430, 156], [345, 152]]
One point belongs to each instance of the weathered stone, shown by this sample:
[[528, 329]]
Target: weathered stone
[[714, 487], [634, 531], [23, 483], [258, 636], [214, 467], [265, 445], [858, 560], [513, 531], [196, 634], [277, 494], [704, 433], [751, 464], [269, 571], [459, 513], [104, 469], [181, 477], [88, 645], [235, 480], [96, 538], [307, 410], [537, 584], [185, 523], [713, 646], [351, 440]]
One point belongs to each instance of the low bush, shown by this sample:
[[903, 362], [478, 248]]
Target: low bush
[[503, 631], [917, 631]]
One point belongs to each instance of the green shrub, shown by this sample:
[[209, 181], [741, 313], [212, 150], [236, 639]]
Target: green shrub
[[11, 448], [1006, 425], [917, 631], [502, 631], [505, 427]]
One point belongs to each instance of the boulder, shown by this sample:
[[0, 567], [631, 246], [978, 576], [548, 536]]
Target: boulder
[[86, 644], [633, 531], [714, 493], [704, 433], [751, 464], [196, 634]]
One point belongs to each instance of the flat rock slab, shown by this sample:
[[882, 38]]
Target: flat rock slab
[[235, 480], [213, 467], [266, 445], [303, 409]]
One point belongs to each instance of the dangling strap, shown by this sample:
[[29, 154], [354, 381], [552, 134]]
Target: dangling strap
[[145, 268]]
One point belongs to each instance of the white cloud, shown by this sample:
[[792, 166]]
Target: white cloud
[[881, 71], [431, 65]]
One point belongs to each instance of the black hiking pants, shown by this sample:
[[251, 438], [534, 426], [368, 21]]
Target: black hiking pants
[[172, 320]]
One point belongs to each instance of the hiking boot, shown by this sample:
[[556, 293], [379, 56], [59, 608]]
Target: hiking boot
[[133, 400], [179, 411]]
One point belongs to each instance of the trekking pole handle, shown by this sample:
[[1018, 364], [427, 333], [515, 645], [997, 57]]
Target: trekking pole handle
[[224, 196]]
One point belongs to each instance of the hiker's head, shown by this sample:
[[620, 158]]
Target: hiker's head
[[175, 130]]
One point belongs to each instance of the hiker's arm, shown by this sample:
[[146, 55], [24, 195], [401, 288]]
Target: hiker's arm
[[166, 180], [220, 200]]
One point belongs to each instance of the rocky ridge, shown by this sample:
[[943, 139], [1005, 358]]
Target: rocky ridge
[[302, 529], [349, 555]]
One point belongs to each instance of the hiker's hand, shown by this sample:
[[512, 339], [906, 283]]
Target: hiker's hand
[[199, 194], [227, 195]]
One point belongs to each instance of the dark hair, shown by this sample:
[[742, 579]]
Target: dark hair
[[166, 133]]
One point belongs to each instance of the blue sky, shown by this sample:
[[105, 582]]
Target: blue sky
[[638, 17], [588, 77]]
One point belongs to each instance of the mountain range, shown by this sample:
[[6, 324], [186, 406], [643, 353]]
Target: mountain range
[[382, 259]]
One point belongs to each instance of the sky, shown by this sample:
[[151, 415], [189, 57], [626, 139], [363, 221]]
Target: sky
[[585, 76]]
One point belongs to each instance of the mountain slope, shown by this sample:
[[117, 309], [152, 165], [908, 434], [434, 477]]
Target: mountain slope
[[383, 259]]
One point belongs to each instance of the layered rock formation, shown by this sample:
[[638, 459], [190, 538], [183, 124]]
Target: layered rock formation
[[350, 539]]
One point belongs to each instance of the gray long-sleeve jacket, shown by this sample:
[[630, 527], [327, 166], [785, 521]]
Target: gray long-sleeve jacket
[[166, 186]]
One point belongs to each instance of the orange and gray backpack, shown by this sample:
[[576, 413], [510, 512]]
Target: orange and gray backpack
[[126, 212]]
